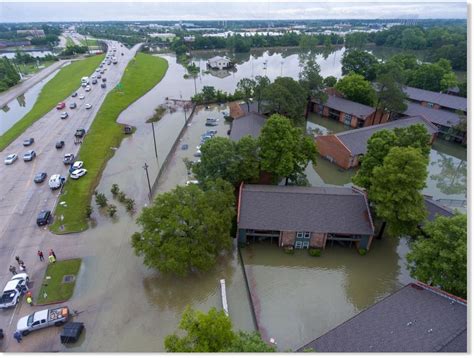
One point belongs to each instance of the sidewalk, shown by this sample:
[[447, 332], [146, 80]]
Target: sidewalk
[[24, 86]]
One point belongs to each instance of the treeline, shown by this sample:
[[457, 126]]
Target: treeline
[[8, 74], [51, 34], [114, 32], [24, 58], [72, 50]]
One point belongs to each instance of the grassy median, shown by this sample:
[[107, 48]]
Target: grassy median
[[54, 285], [56, 90], [141, 75]]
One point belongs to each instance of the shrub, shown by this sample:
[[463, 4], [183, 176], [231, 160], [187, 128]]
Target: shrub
[[115, 189], [89, 211], [289, 250], [314, 252], [362, 252], [111, 209], [130, 204], [101, 200], [121, 197]]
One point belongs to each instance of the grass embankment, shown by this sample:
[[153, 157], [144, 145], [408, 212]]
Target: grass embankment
[[56, 90], [31, 68], [55, 288], [141, 75], [69, 41], [89, 42]]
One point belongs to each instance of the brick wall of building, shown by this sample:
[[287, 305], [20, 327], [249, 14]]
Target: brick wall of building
[[318, 240], [332, 149], [287, 238]]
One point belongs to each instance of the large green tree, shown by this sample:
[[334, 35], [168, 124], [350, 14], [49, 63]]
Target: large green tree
[[246, 86], [396, 190], [440, 258], [313, 83], [355, 88], [390, 96], [359, 62], [261, 85], [285, 151], [186, 229], [212, 332]]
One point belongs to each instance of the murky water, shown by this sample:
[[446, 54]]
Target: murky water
[[32, 53], [13, 111]]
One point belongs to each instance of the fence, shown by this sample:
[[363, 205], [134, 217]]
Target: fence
[[252, 306]]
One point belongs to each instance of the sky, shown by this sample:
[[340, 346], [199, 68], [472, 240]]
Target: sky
[[220, 10]]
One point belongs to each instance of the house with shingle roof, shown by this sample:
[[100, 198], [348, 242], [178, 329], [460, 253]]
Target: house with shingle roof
[[436, 100], [304, 217], [416, 318], [345, 148]]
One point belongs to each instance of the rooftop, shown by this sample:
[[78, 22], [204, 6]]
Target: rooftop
[[250, 124], [356, 139], [438, 116], [444, 100], [416, 318], [350, 107], [338, 210], [218, 58], [434, 208]]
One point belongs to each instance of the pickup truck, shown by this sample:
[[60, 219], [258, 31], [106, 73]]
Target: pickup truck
[[42, 319], [13, 290]]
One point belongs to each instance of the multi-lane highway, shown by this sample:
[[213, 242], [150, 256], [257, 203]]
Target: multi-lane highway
[[21, 199]]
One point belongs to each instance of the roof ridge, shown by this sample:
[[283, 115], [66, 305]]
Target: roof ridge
[[363, 129]]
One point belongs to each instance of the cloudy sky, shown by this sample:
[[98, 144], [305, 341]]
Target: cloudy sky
[[220, 10]]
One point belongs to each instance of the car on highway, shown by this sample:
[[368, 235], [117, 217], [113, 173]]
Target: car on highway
[[68, 158], [104, 79], [64, 115], [13, 290], [103, 71], [59, 144], [88, 89], [73, 105], [55, 181], [61, 105], [94, 81], [28, 142], [40, 177], [88, 106], [74, 94], [109, 62], [103, 85], [42, 319], [76, 174], [43, 217], [80, 133], [82, 96], [11, 158], [83, 85], [99, 76], [29, 156]]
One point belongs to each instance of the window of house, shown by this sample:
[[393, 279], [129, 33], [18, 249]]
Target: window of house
[[303, 235], [429, 104], [347, 119]]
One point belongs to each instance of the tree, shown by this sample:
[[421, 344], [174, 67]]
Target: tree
[[9, 76], [360, 62], [390, 96], [313, 83], [285, 96], [246, 86], [187, 228], [447, 81], [284, 150], [212, 332], [429, 76], [209, 93], [330, 81], [396, 190], [440, 258], [413, 38], [356, 39], [261, 85], [248, 159], [357, 89]]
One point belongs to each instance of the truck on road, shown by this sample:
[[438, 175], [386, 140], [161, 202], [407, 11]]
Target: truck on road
[[42, 319], [85, 81], [13, 290]]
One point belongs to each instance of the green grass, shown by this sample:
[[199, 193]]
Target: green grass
[[69, 41], [141, 75], [56, 90], [31, 68], [89, 42], [56, 290]]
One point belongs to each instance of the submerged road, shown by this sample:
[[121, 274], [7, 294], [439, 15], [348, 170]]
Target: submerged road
[[21, 199]]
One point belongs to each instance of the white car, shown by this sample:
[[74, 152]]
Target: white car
[[55, 181], [82, 96], [14, 288], [10, 159], [78, 165], [88, 88], [88, 106], [76, 174]]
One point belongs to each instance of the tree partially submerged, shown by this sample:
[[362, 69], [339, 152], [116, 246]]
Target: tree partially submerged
[[355, 88], [212, 332], [440, 258], [186, 229], [313, 83]]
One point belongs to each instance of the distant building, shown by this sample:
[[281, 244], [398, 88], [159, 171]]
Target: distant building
[[219, 62], [345, 148], [31, 32], [436, 100], [189, 38], [416, 318]]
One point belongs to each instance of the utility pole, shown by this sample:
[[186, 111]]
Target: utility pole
[[185, 114], [148, 179], [154, 139]]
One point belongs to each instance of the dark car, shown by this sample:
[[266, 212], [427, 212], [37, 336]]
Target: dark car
[[103, 85], [73, 105], [40, 177], [59, 144], [28, 142], [43, 217], [104, 79], [94, 81], [80, 133], [74, 94]]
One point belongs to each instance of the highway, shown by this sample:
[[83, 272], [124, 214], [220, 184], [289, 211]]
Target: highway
[[21, 199]]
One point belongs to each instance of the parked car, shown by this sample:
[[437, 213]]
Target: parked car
[[13, 290], [76, 174], [55, 181], [82, 96], [88, 106], [74, 94], [61, 105], [42, 319], [80, 133], [88, 89], [77, 165], [29, 156], [103, 85], [11, 158], [28, 142], [43, 217], [211, 122], [189, 182], [73, 105], [40, 177], [64, 115], [59, 144], [68, 158]]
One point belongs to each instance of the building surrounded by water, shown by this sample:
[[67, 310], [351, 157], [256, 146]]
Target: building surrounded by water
[[219, 62]]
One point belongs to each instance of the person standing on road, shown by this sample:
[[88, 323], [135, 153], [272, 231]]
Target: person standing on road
[[22, 267], [17, 336], [40, 255], [12, 270], [51, 252], [17, 258]]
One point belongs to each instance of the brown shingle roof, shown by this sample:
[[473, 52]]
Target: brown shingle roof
[[435, 208], [444, 100], [314, 209], [344, 105], [250, 124], [437, 116]]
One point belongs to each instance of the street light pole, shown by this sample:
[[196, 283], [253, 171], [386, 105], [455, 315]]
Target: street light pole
[[154, 139], [148, 179]]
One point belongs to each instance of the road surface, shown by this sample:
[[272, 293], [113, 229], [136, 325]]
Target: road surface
[[21, 199]]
